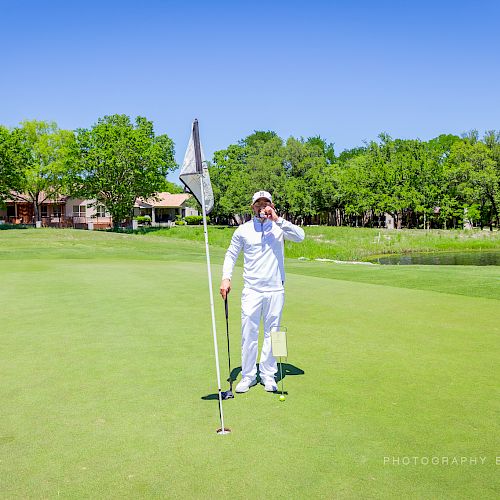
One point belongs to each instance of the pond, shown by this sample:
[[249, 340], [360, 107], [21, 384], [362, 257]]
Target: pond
[[486, 258]]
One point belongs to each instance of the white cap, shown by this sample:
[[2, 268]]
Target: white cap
[[261, 194]]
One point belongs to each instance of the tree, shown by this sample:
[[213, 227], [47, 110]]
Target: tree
[[44, 154], [12, 158], [255, 163], [419, 183], [258, 138], [119, 161], [492, 141], [171, 187], [472, 178], [231, 182], [307, 171]]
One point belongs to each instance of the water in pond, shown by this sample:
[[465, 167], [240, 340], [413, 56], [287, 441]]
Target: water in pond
[[486, 258]]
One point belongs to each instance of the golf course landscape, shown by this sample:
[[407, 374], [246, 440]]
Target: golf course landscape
[[108, 375]]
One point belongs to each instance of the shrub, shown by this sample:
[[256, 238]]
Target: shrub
[[143, 219], [193, 220], [14, 226]]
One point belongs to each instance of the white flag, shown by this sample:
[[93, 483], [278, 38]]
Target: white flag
[[194, 170]]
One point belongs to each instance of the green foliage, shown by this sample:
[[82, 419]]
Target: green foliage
[[13, 226], [195, 220], [192, 203], [421, 184], [440, 183], [171, 187], [178, 219], [143, 219], [119, 161], [13, 155], [473, 180], [259, 137], [43, 155]]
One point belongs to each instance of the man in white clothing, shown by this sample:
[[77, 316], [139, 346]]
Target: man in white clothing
[[263, 296]]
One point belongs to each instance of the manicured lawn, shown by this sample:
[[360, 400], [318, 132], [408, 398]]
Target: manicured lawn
[[106, 354]]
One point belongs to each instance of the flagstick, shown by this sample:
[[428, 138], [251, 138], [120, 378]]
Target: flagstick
[[205, 231]]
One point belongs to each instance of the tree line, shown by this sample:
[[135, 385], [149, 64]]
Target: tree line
[[440, 183]]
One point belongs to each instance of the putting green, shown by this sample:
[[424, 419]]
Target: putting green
[[106, 357]]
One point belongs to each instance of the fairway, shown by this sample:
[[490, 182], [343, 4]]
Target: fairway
[[107, 355]]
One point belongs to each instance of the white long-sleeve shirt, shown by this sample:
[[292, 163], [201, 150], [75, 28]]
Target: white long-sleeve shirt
[[263, 250]]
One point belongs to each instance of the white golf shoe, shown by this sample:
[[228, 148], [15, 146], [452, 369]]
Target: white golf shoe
[[244, 384], [269, 384]]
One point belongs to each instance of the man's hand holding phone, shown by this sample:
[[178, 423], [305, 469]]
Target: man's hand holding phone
[[268, 213]]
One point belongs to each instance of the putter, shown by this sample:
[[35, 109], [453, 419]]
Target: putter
[[228, 394]]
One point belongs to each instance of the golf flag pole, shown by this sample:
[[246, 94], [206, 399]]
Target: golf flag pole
[[190, 175]]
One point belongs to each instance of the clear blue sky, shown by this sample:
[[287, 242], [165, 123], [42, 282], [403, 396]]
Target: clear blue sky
[[344, 70]]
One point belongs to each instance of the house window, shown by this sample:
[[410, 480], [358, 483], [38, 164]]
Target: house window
[[100, 211], [56, 211], [79, 210], [43, 211]]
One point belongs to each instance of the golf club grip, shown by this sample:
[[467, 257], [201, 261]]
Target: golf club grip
[[225, 307]]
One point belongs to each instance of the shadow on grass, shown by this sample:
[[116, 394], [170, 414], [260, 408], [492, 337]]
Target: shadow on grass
[[288, 369]]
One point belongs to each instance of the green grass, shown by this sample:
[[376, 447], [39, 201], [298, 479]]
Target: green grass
[[347, 243], [107, 353], [471, 281], [51, 243]]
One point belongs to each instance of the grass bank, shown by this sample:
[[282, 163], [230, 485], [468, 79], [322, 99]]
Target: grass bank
[[183, 244], [347, 243], [51, 243]]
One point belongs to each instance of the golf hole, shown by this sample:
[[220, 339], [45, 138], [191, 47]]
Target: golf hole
[[225, 431]]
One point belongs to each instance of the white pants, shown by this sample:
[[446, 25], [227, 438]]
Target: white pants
[[254, 306]]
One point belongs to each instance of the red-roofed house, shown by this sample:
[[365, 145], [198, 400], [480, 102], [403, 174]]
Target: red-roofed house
[[164, 208], [83, 214], [18, 209]]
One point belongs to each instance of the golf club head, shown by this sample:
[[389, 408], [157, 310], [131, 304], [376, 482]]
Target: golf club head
[[227, 394]]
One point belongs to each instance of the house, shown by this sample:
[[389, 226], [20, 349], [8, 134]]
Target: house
[[164, 208], [63, 211], [58, 211], [18, 210], [82, 212]]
